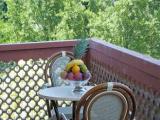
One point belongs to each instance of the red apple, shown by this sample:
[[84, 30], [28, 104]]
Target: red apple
[[70, 76], [78, 76]]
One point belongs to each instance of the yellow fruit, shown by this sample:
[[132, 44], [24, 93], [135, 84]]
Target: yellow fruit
[[68, 66], [77, 61], [75, 69], [72, 63]]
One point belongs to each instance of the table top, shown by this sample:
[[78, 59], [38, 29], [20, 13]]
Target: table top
[[62, 93]]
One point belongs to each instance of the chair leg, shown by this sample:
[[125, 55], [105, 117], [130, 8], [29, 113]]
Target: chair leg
[[73, 109], [55, 105], [48, 108]]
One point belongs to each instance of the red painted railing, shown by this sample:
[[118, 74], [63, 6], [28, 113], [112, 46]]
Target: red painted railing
[[106, 61], [25, 51], [141, 73], [142, 69]]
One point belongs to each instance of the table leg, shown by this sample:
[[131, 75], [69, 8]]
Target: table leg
[[73, 110], [48, 108], [55, 105]]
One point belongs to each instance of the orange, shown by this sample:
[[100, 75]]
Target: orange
[[75, 69]]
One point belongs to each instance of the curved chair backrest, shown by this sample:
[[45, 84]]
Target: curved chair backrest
[[111, 105], [108, 101], [55, 65]]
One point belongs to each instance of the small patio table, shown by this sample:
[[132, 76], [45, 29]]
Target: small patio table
[[64, 93]]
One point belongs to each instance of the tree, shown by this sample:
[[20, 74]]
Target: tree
[[132, 24], [3, 10]]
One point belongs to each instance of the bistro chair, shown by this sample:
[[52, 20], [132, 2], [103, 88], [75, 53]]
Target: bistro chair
[[54, 66], [107, 101]]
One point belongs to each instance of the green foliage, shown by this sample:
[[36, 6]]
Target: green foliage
[[133, 24], [4, 65], [3, 10], [34, 20], [74, 22]]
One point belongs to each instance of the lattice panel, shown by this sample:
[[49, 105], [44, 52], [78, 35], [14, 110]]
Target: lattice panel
[[18, 91], [148, 102]]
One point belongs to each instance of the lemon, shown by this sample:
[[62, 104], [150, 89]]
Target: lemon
[[75, 69]]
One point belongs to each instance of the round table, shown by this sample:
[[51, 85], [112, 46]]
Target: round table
[[64, 93]]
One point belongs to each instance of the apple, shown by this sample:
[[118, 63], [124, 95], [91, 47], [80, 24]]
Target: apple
[[78, 76], [64, 75], [70, 76]]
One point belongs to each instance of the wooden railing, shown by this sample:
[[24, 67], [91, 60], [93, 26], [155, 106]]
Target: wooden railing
[[19, 84], [141, 73], [26, 51]]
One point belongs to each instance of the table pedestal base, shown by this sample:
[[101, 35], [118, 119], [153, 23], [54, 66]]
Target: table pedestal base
[[79, 89]]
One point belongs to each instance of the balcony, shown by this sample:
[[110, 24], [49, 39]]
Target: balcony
[[20, 82]]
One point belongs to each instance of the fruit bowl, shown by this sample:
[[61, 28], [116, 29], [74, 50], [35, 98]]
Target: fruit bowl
[[78, 84], [77, 74]]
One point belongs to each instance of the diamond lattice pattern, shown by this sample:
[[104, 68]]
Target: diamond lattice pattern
[[18, 91]]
